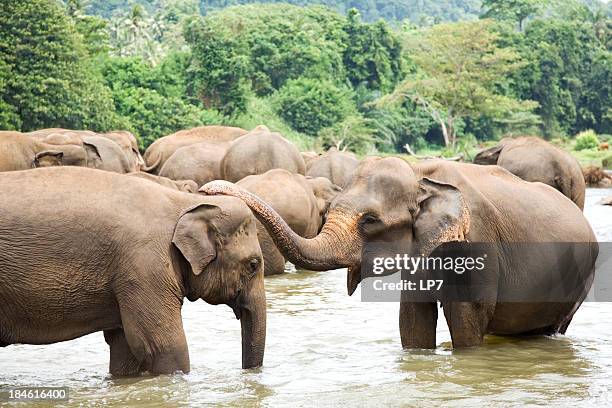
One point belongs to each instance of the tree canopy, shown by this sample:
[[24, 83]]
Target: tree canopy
[[321, 72]]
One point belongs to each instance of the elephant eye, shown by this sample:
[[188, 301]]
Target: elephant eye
[[254, 265], [369, 219]]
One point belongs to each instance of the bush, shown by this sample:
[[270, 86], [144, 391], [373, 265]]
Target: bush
[[353, 133], [309, 105], [586, 140], [151, 115]]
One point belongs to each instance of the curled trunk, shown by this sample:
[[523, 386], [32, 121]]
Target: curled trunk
[[336, 246]]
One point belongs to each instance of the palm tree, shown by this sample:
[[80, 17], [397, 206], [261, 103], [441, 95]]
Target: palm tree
[[133, 33], [76, 8]]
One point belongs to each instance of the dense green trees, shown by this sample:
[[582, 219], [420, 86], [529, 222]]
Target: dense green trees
[[45, 77], [150, 100], [460, 72], [310, 63], [568, 74], [320, 77], [422, 12], [310, 105]]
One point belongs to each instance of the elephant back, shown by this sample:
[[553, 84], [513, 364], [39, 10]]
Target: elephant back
[[258, 152]]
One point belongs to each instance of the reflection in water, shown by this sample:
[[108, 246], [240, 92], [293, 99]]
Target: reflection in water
[[326, 349]]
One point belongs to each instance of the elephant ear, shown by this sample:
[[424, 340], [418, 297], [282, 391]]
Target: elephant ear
[[489, 156], [443, 215], [50, 157], [94, 158], [195, 236]]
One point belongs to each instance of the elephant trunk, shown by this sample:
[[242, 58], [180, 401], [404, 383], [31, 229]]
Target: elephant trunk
[[155, 167], [252, 305], [338, 244]]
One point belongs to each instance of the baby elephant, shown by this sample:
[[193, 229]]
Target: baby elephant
[[84, 250]]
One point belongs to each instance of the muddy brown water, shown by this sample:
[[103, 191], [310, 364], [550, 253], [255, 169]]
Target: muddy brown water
[[327, 349]]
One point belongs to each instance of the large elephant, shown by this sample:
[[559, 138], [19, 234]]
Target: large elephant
[[335, 165], [426, 207], [21, 152], [163, 148], [75, 259], [292, 196], [534, 159], [188, 186], [200, 162], [260, 151]]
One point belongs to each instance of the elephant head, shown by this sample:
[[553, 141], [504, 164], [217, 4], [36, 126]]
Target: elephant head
[[324, 191], [222, 264], [48, 158], [383, 202], [187, 186]]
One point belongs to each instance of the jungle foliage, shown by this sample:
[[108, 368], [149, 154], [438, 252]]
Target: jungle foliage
[[435, 72]]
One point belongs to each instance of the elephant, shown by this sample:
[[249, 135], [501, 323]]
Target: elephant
[[124, 139], [188, 186], [129, 144], [21, 152], [292, 196], [200, 162], [163, 148], [75, 259], [534, 159], [260, 151], [335, 165], [429, 208]]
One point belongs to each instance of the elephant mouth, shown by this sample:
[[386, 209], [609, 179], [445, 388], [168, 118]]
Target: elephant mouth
[[235, 305], [353, 278]]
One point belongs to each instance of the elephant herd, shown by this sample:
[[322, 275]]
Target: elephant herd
[[95, 237]]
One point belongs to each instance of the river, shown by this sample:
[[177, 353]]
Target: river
[[327, 349]]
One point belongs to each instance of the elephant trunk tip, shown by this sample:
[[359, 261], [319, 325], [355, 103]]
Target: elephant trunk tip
[[217, 187]]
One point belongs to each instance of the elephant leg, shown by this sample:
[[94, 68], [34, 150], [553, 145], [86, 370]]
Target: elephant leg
[[156, 337], [122, 362], [417, 323], [467, 322]]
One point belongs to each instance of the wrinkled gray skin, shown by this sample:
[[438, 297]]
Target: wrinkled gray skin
[[21, 152], [163, 148], [187, 186], [335, 165], [534, 159], [418, 209], [292, 196], [260, 151], [75, 259], [200, 162]]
